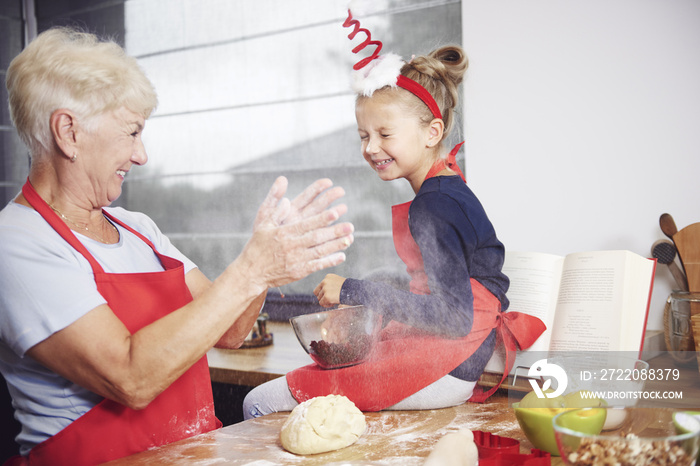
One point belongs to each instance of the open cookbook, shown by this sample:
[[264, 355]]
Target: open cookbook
[[589, 301]]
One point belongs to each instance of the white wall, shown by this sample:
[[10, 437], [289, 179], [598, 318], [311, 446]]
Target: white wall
[[583, 122]]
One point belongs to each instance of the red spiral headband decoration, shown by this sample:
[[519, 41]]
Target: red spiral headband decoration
[[350, 21], [376, 69]]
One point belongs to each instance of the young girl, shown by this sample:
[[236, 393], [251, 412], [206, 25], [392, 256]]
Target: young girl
[[443, 330]]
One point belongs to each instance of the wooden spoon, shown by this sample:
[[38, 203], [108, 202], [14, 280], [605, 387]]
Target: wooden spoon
[[688, 245], [668, 225]]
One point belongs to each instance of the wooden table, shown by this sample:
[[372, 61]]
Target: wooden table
[[392, 438], [254, 366]]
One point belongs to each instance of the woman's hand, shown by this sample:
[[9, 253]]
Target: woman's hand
[[292, 239], [328, 291], [313, 200]]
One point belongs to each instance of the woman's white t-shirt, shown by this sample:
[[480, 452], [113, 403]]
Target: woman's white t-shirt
[[45, 286]]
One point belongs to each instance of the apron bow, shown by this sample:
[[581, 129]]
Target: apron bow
[[518, 331]]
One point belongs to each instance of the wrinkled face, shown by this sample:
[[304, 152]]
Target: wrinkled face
[[109, 152], [394, 142]]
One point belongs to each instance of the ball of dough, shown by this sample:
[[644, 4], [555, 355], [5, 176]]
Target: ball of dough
[[454, 449], [321, 424]]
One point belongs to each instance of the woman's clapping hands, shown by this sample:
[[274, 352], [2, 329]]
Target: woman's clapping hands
[[292, 239]]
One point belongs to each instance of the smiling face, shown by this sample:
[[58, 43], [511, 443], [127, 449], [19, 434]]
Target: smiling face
[[394, 142], [109, 152]]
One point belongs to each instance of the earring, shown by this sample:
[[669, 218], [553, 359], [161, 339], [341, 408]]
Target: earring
[[74, 158]]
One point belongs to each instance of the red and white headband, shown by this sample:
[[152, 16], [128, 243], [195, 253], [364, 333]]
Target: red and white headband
[[378, 71]]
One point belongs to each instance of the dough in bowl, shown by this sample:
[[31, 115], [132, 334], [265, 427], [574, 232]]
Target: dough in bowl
[[321, 424]]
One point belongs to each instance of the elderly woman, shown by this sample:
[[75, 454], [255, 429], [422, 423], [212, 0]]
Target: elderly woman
[[104, 324]]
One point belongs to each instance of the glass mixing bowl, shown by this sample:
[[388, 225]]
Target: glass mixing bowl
[[339, 337]]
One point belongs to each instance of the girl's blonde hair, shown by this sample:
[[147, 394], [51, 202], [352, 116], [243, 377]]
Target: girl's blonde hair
[[65, 68], [440, 73]]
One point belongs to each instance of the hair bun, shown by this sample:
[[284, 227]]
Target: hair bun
[[440, 73]]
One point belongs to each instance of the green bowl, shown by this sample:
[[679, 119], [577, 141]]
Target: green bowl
[[682, 427], [536, 423]]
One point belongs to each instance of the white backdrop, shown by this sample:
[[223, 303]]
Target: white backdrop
[[582, 122]]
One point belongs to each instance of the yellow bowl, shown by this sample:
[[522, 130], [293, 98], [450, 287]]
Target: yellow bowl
[[536, 423]]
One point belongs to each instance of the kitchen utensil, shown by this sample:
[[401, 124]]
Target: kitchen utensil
[[643, 436], [665, 252], [687, 242], [339, 337], [490, 444], [495, 450], [668, 225]]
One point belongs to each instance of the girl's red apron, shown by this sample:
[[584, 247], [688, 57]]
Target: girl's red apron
[[110, 430], [407, 360]]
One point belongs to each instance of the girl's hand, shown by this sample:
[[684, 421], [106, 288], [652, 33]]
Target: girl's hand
[[328, 291]]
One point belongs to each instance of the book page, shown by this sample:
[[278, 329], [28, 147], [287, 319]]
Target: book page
[[534, 284], [590, 301], [589, 307]]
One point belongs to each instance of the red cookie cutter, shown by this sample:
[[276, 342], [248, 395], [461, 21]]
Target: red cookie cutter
[[495, 450]]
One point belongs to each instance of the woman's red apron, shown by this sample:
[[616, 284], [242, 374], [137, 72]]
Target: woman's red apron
[[407, 360], [110, 430]]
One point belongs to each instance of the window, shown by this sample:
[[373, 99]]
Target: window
[[250, 90]]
